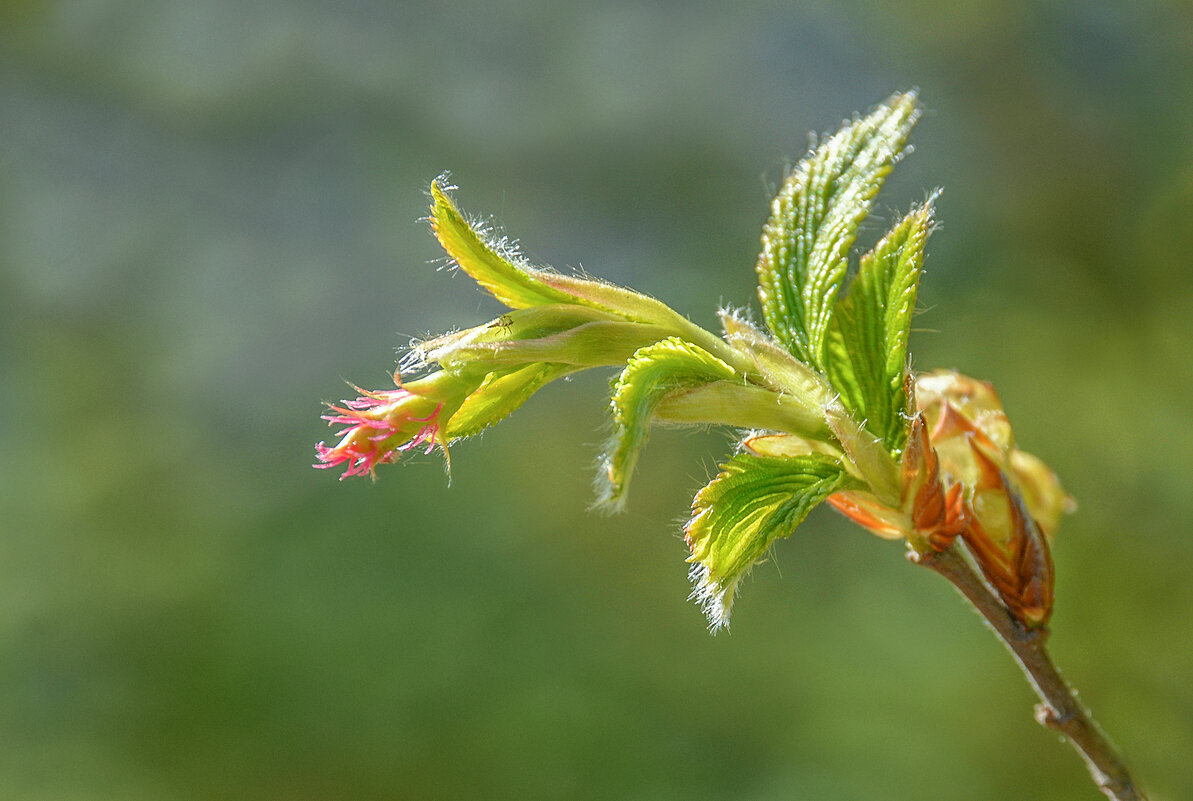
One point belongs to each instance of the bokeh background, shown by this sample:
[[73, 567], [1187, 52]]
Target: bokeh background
[[209, 223]]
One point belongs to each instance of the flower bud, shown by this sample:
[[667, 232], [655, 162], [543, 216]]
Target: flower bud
[[965, 416], [961, 475], [1012, 499]]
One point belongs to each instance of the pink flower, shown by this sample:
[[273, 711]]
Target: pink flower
[[379, 426]]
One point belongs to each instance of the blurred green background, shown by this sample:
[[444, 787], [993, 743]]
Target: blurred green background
[[209, 222]]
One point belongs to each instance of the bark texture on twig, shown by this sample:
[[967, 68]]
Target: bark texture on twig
[[1059, 709]]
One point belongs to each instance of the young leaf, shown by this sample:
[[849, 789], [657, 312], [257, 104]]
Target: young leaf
[[652, 374], [558, 334], [866, 351], [499, 394], [780, 370], [866, 454], [507, 277], [733, 403], [754, 501], [814, 220]]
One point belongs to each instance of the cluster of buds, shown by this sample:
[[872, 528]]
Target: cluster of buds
[[963, 477]]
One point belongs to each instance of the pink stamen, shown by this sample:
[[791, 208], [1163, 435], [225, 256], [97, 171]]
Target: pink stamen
[[430, 416], [428, 435], [369, 421]]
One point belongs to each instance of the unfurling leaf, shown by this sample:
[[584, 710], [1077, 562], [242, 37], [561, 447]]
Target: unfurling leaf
[[778, 368], [754, 501], [652, 374], [814, 221], [488, 261], [494, 264], [866, 351], [499, 394], [732, 403], [560, 334]]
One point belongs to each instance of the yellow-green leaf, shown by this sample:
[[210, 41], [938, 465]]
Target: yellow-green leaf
[[652, 374], [754, 501], [492, 265], [495, 265], [814, 220], [499, 394], [866, 353]]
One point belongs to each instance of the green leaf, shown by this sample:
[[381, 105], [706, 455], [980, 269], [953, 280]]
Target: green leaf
[[619, 300], [652, 374], [494, 264], [866, 455], [779, 369], [558, 333], [866, 352], [754, 501], [498, 395], [814, 221], [489, 261], [597, 344], [732, 403]]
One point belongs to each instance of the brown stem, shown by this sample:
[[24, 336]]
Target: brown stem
[[1060, 710]]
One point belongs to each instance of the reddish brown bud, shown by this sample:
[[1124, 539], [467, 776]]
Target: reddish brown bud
[[960, 474], [937, 514], [1010, 549], [1001, 500]]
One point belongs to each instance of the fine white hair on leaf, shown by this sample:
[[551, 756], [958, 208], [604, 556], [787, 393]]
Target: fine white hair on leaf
[[489, 233], [444, 180], [413, 359], [714, 598], [740, 313], [744, 437], [608, 501]]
